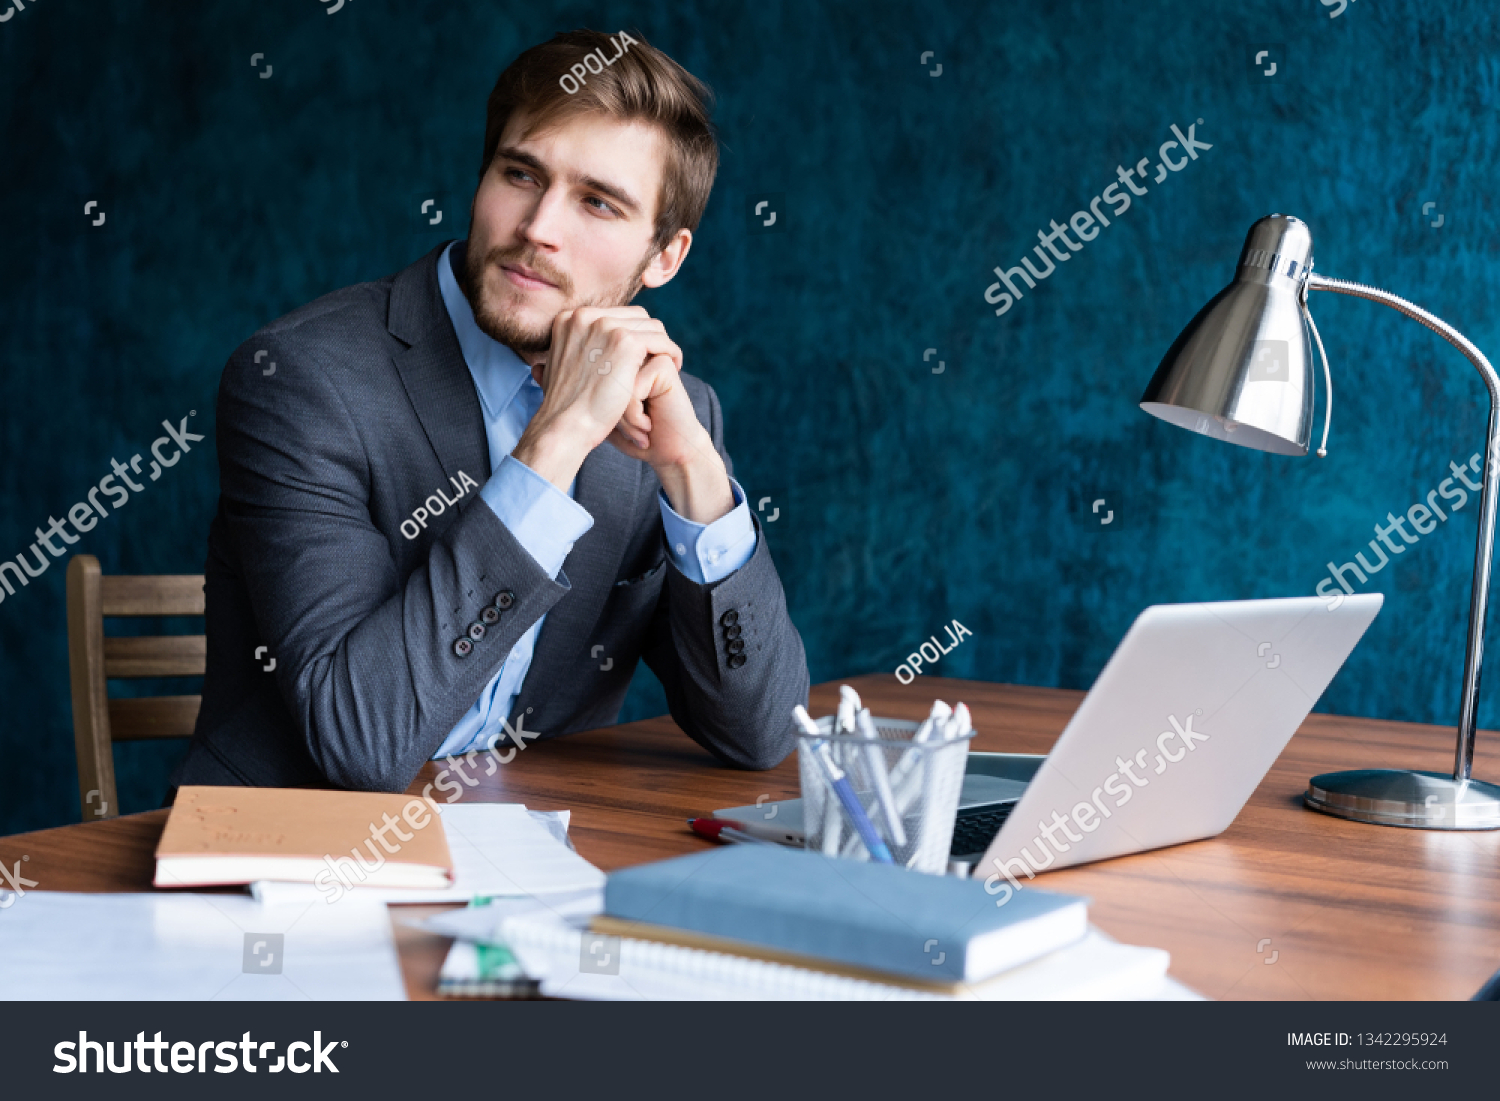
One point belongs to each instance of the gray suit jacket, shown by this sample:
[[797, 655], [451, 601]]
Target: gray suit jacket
[[362, 411]]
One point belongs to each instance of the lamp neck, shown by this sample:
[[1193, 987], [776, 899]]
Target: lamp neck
[[1318, 282], [1463, 762]]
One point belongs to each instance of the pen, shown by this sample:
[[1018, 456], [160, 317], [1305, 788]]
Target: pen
[[857, 817], [711, 828], [844, 723], [804, 720], [934, 835], [875, 761], [891, 807], [849, 715], [926, 732], [831, 829], [908, 778], [848, 705]]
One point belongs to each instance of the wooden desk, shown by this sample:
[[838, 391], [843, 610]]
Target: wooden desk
[[1286, 904]]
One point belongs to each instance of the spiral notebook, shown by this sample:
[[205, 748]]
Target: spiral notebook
[[572, 961]]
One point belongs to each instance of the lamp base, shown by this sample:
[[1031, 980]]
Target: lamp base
[[1417, 800]]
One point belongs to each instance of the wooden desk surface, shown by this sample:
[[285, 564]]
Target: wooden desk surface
[[1285, 904]]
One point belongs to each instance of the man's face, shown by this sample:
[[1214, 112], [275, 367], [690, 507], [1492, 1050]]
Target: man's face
[[564, 218]]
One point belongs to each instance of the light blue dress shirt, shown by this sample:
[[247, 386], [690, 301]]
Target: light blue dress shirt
[[546, 521]]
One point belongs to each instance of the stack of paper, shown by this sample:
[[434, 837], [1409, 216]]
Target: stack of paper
[[498, 849], [569, 961], [195, 947], [544, 942]]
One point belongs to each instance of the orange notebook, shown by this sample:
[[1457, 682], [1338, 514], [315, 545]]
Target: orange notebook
[[227, 835]]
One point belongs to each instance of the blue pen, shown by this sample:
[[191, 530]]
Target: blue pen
[[856, 813]]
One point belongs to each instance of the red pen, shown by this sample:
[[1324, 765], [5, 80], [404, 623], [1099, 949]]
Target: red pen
[[710, 828]]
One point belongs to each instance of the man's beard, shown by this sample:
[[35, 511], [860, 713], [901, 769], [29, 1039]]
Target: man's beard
[[506, 327]]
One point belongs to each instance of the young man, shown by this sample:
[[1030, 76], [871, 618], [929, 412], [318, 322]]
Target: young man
[[471, 495]]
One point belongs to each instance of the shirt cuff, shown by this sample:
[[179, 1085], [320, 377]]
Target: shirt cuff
[[706, 553], [544, 519]]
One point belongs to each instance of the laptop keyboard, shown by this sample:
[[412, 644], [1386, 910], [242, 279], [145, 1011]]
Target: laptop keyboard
[[975, 829]]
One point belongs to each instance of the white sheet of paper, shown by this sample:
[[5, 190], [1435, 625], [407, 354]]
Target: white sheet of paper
[[497, 849], [172, 945]]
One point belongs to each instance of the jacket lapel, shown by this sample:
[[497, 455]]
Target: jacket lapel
[[433, 371]]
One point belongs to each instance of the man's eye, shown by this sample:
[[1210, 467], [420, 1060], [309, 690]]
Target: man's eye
[[603, 206], [517, 174]]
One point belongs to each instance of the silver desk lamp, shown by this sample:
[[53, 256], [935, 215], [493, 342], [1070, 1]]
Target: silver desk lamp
[[1242, 371]]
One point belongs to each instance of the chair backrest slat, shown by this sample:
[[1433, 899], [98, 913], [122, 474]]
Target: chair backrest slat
[[144, 595], [98, 721], [155, 656], [153, 717]]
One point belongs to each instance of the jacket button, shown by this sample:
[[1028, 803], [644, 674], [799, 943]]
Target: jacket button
[[476, 631], [463, 647], [736, 646], [490, 616], [730, 618], [505, 600], [733, 632], [736, 660]]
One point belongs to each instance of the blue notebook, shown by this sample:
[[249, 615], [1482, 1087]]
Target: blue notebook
[[877, 916]]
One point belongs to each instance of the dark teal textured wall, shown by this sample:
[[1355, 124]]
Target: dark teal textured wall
[[906, 498]]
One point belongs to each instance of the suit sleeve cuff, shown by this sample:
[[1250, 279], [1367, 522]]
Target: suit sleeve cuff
[[544, 519], [706, 553]]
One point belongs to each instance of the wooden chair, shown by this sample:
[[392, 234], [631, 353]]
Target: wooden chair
[[98, 721]]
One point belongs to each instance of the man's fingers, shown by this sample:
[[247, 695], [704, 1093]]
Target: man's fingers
[[649, 334], [635, 425], [622, 333], [656, 376], [638, 349], [596, 360], [622, 439], [636, 416]]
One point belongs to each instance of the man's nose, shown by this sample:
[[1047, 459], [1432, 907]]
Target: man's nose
[[542, 226]]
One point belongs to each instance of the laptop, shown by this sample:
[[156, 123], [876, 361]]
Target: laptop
[[1183, 723]]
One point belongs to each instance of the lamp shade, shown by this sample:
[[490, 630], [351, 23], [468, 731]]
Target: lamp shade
[[1242, 369]]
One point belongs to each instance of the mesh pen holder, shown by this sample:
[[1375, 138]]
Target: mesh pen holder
[[921, 782]]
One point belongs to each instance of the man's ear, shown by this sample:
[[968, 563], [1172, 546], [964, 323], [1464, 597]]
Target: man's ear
[[664, 265]]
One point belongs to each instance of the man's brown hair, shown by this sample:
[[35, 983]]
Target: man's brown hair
[[642, 83]]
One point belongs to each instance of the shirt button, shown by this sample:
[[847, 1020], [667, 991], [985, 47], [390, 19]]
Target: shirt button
[[733, 632], [736, 660], [490, 616], [505, 600], [681, 548], [730, 618], [476, 631], [463, 647], [736, 646]]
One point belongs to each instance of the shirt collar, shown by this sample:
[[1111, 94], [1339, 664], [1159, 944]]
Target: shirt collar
[[498, 372]]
